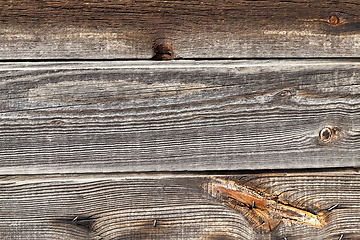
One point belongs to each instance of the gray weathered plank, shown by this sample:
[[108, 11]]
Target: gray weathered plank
[[125, 206], [178, 116], [63, 29]]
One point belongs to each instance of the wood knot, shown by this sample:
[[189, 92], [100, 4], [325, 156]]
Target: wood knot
[[334, 20], [328, 133], [286, 93], [162, 51]]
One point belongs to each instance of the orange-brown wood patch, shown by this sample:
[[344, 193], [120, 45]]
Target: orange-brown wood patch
[[263, 211]]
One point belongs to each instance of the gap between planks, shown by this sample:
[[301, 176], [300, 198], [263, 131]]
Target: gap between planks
[[33, 178]]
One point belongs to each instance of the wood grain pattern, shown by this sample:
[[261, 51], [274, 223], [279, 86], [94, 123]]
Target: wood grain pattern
[[178, 116], [125, 206], [92, 29]]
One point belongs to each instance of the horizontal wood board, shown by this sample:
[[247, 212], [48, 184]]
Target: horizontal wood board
[[128, 29], [177, 116], [125, 207]]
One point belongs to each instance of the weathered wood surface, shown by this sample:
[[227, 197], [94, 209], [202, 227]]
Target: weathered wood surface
[[125, 207], [178, 116], [75, 29]]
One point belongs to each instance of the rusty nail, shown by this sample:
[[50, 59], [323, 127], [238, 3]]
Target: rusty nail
[[154, 224], [326, 134], [341, 237], [75, 218], [253, 204], [332, 207], [334, 20]]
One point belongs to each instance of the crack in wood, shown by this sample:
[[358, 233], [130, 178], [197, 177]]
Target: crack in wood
[[263, 212], [83, 221]]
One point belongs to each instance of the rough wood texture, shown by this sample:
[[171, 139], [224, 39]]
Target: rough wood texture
[[178, 116], [63, 29], [125, 207]]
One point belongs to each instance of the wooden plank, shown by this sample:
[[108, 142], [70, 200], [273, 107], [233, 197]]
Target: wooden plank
[[126, 206], [92, 29], [178, 116]]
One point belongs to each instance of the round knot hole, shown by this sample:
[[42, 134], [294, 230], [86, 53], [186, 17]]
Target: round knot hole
[[334, 20], [327, 133]]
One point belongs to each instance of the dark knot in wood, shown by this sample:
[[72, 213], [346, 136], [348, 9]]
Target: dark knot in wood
[[162, 51], [328, 133]]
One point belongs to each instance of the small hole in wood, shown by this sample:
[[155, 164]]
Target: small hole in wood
[[326, 134], [334, 20]]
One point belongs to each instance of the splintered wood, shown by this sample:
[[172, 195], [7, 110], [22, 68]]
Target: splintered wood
[[263, 211]]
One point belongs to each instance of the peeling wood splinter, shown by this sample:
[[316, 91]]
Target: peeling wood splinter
[[268, 213]]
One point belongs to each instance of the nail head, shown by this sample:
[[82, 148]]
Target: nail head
[[333, 207]]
